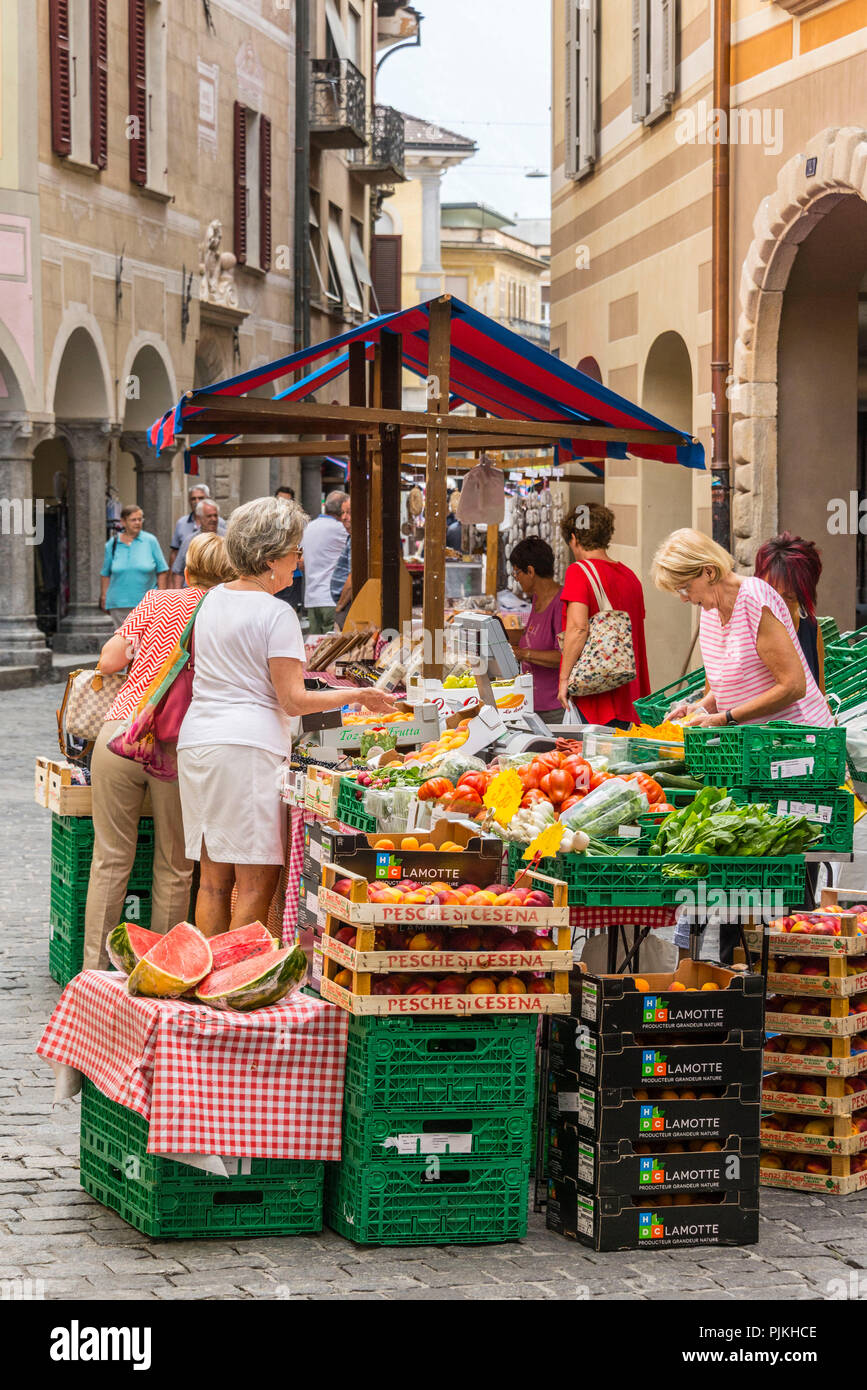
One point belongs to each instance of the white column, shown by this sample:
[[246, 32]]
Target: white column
[[86, 627], [21, 642], [429, 279]]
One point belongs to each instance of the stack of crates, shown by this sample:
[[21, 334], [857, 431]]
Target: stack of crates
[[71, 853], [654, 1110], [438, 1131], [168, 1200], [796, 769], [653, 708]]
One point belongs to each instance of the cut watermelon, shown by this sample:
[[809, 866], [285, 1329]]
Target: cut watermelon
[[256, 982], [179, 959], [128, 943], [230, 947]]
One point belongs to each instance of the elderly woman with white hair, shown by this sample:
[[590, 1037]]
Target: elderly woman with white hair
[[247, 687]]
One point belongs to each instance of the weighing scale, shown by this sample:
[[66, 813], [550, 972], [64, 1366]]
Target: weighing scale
[[482, 645]]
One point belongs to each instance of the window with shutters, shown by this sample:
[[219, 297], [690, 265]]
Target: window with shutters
[[582, 87], [654, 58], [386, 272], [252, 155], [339, 262], [318, 287], [156, 95], [78, 37]]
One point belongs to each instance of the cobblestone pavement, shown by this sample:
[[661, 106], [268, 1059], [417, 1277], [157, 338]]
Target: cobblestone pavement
[[51, 1231]]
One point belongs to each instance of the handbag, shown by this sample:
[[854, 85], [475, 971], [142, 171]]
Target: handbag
[[152, 735], [608, 658], [86, 701]]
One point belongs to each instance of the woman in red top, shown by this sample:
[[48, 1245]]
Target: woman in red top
[[588, 531]]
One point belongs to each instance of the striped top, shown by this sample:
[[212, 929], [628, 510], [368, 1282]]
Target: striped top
[[153, 628], [734, 669]]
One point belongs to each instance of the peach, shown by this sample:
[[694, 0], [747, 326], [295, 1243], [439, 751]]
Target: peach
[[346, 935], [710, 985], [482, 984], [677, 984], [342, 886], [543, 943], [541, 984], [343, 978], [468, 889], [421, 984], [451, 984], [448, 898], [819, 1127], [537, 899], [426, 941], [638, 981], [770, 1161], [511, 984]]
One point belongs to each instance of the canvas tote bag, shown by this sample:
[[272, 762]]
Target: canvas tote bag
[[608, 658]]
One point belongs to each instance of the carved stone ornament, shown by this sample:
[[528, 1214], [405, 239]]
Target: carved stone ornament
[[217, 269]]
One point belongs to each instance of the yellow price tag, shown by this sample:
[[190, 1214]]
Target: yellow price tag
[[504, 795], [547, 843]]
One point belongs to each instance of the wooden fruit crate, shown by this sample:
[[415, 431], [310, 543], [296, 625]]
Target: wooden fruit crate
[[67, 798], [842, 1061], [850, 942], [40, 785], [838, 983], [365, 962], [835, 1100], [840, 1141], [841, 1179], [841, 1023]]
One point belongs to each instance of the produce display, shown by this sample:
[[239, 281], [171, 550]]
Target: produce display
[[715, 824], [242, 970]]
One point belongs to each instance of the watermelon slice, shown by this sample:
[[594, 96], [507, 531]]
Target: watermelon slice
[[230, 947], [179, 959], [256, 982], [128, 943]]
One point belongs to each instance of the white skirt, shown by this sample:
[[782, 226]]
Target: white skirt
[[230, 799]]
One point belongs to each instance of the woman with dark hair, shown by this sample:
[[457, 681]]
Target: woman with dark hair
[[588, 531], [532, 563], [793, 567]]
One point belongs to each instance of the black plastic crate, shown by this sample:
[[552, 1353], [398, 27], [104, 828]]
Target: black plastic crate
[[620, 1003], [630, 1166], [630, 1223], [615, 1114], [607, 1060]]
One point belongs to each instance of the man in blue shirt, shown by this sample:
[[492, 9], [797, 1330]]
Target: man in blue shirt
[[187, 525], [208, 522]]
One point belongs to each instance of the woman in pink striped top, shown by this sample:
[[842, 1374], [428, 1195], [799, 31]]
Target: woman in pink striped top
[[755, 667]]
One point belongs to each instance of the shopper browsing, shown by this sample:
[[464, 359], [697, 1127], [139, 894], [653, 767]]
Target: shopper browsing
[[324, 542], [793, 567], [532, 563], [187, 526], [133, 563], [588, 532], [120, 785], [208, 522], [247, 688]]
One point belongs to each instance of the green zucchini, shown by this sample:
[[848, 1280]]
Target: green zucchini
[[625, 769], [676, 766], [687, 784]]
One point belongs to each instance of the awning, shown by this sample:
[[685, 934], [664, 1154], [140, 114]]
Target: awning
[[491, 367]]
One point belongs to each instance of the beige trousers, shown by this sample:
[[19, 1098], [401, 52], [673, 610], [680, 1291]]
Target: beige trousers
[[119, 787]]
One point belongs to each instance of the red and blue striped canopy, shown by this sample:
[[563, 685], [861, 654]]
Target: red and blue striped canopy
[[491, 368]]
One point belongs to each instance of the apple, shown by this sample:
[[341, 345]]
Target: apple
[[541, 984], [422, 984], [343, 886]]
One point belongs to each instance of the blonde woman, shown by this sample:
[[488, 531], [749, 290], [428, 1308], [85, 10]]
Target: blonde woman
[[119, 785], [247, 687], [755, 667]]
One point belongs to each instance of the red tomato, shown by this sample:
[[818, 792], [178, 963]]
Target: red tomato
[[597, 779], [539, 768], [531, 797], [571, 801], [558, 785], [550, 760], [531, 778], [476, 781], [465, 800], [580, 770]]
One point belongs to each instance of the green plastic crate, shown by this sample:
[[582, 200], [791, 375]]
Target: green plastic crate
[[764, 755], [350, 811], [639, 881], [463, 1064], [370, 1136], [829, 628], [653, 708], [72, 851], [65, 958], [456, 1201], [68, 902], [173, 1201], [837, 837], [66, 936]]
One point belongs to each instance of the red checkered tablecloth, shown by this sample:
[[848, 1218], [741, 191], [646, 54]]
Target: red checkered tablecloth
[[268, 1084], [598, 918]]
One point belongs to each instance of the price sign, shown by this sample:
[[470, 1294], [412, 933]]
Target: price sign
[[504, 795], [547, 843]]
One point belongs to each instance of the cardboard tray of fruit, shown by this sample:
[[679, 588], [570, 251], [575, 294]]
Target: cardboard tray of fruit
[[825, 933], [804, 1016], [360, 902], [815, 1135], [807, 1095], [497, 949], [813, 1056], [429, 1002], [811, 978], [667, 1003], [813, 1173]]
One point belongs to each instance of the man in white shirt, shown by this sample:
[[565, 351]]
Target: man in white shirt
[[324, 541], [187, 525], [208, 521]]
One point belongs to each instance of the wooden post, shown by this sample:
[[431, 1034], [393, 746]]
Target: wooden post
[[491, 559], [390, 446], [358, 471], [375, 396], [439, 361]]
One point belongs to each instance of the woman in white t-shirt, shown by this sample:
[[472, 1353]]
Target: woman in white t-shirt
[[248, 685]]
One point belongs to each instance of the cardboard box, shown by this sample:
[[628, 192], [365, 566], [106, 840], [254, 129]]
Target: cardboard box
[[422, 725], [517, 696], [609, 1116], [616, 1060], [479, 862], [612, 1003], [617, 1170], [622, 1223], [322, 789]]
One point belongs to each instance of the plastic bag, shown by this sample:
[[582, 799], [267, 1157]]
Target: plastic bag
[[453, 765], [483, 496], [612, 804]]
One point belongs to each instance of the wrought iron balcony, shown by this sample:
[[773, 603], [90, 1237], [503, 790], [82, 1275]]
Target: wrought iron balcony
[[385, 149], [337, 104]]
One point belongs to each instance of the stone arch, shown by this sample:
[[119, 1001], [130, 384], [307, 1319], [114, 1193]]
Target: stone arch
[[147, 358], [79, 379], [17, 391], [833, 166]]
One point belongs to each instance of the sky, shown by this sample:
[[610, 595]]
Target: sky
[[483, 70]]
